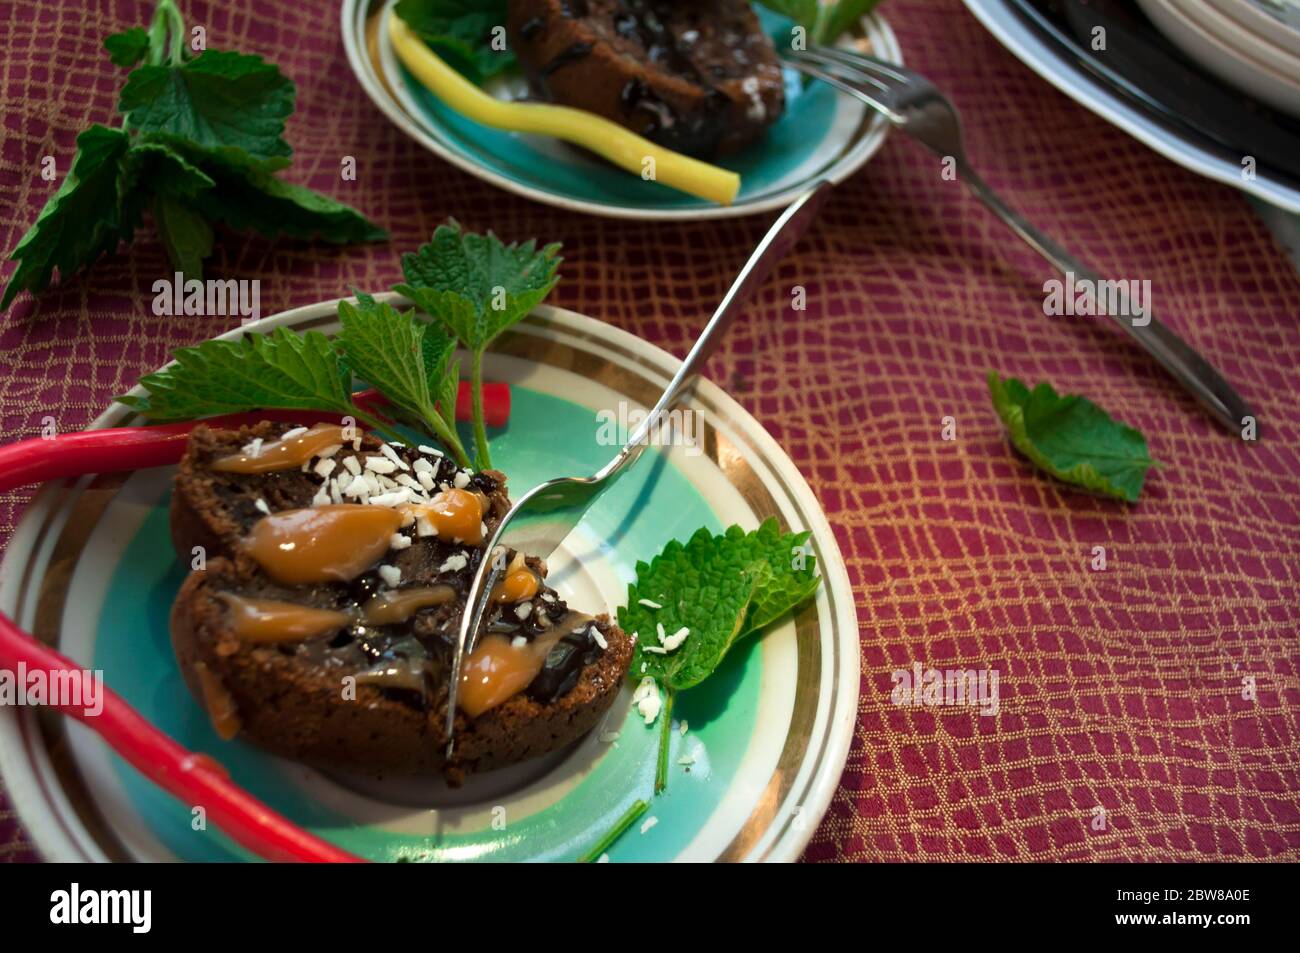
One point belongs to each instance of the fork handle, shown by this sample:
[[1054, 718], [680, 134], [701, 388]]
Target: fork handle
[[1175, 355], [780, 238]]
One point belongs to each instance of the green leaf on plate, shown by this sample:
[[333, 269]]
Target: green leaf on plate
[[408, 360], [281, 370], [460, 31], [476, 285], [82, 221], [128, 47], [721, 588], [1072, 438], [221, 99]]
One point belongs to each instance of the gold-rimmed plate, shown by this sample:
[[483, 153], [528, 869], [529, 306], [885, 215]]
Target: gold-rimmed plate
[[821, 135], [90, 570]]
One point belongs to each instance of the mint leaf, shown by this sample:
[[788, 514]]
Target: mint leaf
[[721, 588], [281, 370], [186, 235], [219, 100], [150, 170], [449, 388], [158, 167], [476, 285], [702, 587], [1072, 438], [82, 221], [460, 31], [247, 197], [201, 139], [405, 358], [127, 48], [792, 575]]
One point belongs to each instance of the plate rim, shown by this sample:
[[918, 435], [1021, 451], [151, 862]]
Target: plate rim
[[46, 827], [997, 18], [354, 44]]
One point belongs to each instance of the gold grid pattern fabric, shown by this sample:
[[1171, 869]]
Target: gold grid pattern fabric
[[1121, 690]]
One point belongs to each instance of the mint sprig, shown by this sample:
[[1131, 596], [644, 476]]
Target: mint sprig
[[1072, 438], [281, 370], [476, 287], [222, 114], [220, 99], [409, 360], [722, 589], [83, 220]]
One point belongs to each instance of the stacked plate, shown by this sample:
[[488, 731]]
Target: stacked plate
[[1252, 44]]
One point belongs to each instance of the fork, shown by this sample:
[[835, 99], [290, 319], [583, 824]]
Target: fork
[[911, 103], [541, 519]]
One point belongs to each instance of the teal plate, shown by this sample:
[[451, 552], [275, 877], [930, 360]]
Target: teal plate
[[822, 134], [91, 570]]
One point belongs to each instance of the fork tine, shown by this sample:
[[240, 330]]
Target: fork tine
[[869, 64], [847, 71], [845, 86]]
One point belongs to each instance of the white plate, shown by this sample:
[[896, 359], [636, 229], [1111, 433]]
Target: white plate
[[1055, 66], [774, 171], [1268, 73], [1269, 28], [90, 571]]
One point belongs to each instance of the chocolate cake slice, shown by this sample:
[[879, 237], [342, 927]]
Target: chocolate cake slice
[[697, 77], [322, 623]]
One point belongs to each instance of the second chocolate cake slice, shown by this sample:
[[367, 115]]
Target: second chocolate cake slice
[[700, 77]]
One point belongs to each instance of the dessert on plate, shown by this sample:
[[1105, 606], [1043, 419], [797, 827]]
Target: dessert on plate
[[322, 623], [699, 78]]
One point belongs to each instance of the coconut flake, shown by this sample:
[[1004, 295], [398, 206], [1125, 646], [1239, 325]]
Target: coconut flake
[[391, 575], [391, 454], [261, 506], [454, 563], [673, 641], [399, 541], [295, 432], [646, 699]]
